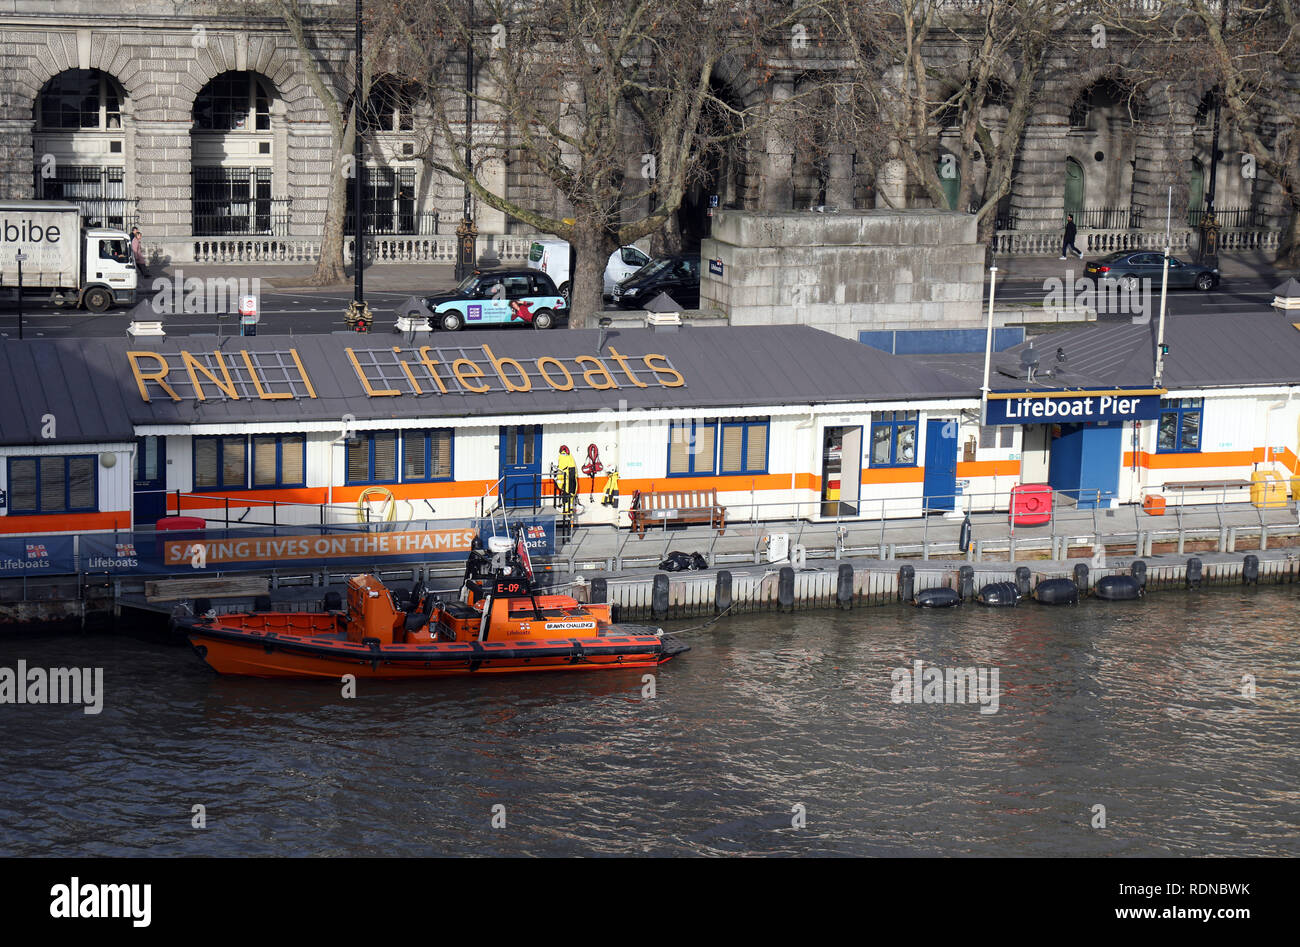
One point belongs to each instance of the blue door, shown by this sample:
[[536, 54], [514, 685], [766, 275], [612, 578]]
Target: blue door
[[150, 480], [940, 465], [1085, 463], [521, 465]]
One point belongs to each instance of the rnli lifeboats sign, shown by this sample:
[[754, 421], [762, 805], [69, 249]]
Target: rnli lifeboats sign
[[391, 372], [1055, 407]]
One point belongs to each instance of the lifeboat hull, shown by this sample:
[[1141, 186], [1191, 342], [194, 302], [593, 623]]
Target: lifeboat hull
[[230, 649]]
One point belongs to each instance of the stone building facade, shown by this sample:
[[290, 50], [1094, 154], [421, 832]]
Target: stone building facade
[[199, 126]]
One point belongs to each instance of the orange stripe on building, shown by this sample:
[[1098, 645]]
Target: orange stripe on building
[[1184, 461], [988, 468], [65, 522], [872, 475]]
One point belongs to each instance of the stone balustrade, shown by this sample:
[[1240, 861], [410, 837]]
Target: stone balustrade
[[380, 249]]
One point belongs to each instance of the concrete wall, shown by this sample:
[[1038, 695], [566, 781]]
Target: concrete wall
[[845, 272]]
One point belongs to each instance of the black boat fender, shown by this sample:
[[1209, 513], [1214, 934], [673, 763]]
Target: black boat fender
[[999, 595], [1057, 592], [937, 598], [1117, 588]]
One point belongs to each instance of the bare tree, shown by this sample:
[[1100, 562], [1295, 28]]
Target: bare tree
[[1248, 53], [939, 87], [613, 105]]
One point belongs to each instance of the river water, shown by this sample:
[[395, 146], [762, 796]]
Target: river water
[[775, 735]]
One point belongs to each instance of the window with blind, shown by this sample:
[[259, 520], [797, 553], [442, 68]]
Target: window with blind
[[280, 460], [744, 446], [1180, 425], [426, 455], [220, 463], [1003, 436], [692, 446], [372, 458], [53, 484], [709, 446]]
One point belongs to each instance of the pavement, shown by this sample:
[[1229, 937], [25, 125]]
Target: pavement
[[420, 277]]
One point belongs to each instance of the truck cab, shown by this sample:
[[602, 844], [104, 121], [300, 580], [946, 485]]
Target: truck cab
[[109, 276]]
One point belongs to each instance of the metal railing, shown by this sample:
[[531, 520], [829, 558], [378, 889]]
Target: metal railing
[[1109, 218], [1082, 521], [242, 217], [1232, 218], [388, 223]]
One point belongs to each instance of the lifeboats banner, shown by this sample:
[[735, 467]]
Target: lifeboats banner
[[42, 555], [232, 551], [269, 551], [1075, 408]]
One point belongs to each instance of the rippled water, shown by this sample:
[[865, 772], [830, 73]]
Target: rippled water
[[1134, 706]]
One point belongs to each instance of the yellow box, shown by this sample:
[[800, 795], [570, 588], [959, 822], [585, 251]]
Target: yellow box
[[1267, 489]]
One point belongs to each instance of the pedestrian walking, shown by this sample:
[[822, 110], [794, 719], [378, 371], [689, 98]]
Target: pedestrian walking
[[1068, 243], [137, 250]]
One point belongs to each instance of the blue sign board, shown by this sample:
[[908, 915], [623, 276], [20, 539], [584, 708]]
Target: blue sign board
[[36, 555], [1039, 408], [715, 267]]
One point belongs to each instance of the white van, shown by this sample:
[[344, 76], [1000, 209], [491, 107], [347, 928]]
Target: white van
[[552, 258]]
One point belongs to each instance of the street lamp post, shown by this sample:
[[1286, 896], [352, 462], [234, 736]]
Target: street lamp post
[[467, 231], [1208, 228], [20, 257], [358, 190]]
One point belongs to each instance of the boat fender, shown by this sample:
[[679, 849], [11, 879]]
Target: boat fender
[[1057, 592], [999, 595], [966, 583], [1081, 577], [333, 601], [785, 589], [1022, 580], [659, 596], [1139, 572], [1117, 588], [375, 646], [599, 591], [906, 583], [262, 603], [268, 641], [937, 598], [963, 541], [844, 586], [1250, 570], [722, 592]]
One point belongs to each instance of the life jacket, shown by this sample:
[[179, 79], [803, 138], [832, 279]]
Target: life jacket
[[611, 489]]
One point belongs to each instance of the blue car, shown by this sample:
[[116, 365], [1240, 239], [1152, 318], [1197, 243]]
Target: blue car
[[499, 297]]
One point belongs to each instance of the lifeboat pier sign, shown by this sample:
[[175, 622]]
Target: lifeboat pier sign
[[1073, 407]]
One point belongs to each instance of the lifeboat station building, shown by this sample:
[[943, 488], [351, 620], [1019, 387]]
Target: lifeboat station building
[[768, 423]]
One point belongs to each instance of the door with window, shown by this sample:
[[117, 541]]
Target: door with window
[[521, 465], [150, 480]]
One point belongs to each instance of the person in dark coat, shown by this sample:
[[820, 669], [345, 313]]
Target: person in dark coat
[[1068, 243]]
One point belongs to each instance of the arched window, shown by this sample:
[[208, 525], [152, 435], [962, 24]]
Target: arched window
[[233, 101], [79, 98]]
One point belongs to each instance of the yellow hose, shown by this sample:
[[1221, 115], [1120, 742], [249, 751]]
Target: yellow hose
[[389, 515]]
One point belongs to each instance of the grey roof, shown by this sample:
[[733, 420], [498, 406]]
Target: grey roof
[[1288, 290], [1205, 350], [90, 387]]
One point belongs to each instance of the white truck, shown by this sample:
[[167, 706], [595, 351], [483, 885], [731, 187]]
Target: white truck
[[65, 262]]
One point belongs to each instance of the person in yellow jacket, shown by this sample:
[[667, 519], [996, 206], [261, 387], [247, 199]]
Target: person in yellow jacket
[[566, 478]]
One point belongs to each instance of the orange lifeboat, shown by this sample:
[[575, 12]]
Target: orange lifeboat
[[504, 626]]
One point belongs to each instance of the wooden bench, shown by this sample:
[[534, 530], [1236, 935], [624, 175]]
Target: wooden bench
[[678, 506], [1183, 487]]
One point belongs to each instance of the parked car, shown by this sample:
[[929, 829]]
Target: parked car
[[1129, 267], [678, 276], [552, 258], [499, 297]]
